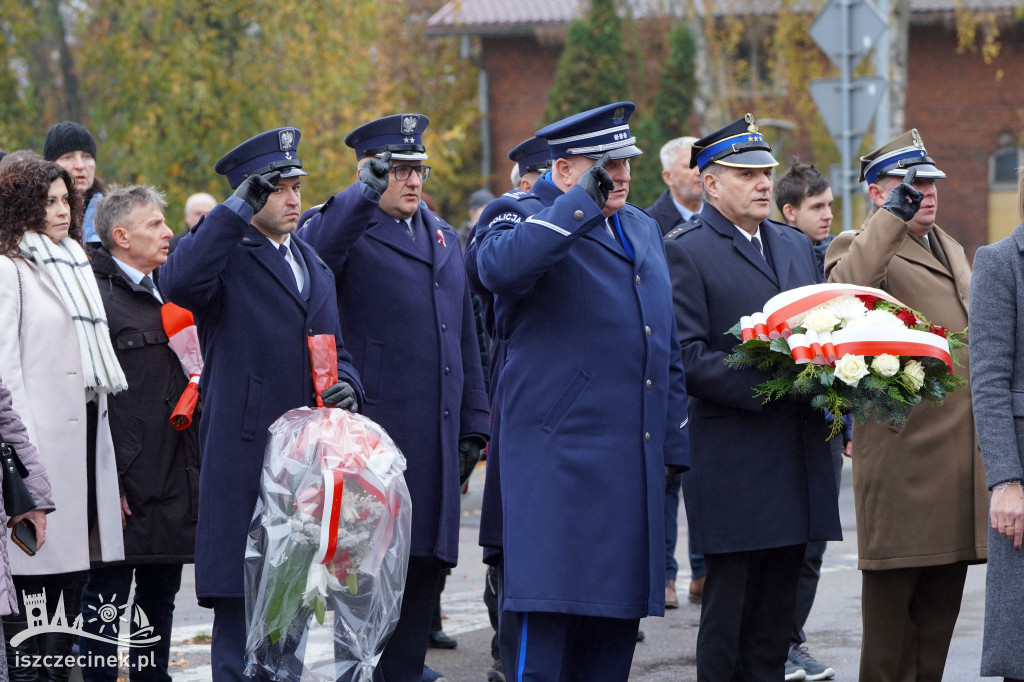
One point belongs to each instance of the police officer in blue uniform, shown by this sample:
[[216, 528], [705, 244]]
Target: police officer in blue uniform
[[256, 292], [592, 401], [406, 312], [761, 482], [532, 159]]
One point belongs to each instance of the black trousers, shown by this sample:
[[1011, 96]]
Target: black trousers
[[747, 614], [403, 656]]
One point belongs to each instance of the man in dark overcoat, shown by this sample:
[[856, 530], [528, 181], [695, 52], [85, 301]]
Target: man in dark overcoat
[[761, 483], [683, 197], [592, 401], [157, 464], [407, 317], [257, 292]]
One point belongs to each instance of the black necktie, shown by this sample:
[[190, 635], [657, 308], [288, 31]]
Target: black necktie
[[757, 244], [147, 282]]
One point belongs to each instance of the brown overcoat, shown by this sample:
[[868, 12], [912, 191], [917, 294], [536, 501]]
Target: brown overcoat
[[919, 492]]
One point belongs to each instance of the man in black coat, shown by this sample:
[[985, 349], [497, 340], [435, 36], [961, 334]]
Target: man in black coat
[[157, 465], [761, 482]]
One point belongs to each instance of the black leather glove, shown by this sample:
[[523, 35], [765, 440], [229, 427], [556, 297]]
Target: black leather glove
[[374, 173], [904, 200], [671, 471], [469, 455], [256, 189], [341, 395], [596, 181]]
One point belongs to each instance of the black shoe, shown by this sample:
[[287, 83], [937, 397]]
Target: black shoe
[[439, 640], [640, 635]]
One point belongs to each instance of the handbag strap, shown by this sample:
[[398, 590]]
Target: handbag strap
[[10, 460]]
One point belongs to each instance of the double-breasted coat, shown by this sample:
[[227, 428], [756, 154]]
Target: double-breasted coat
[[408, 318], [919, 491], [42, 367], [253, 324], [762, 474], [592, 403], [997, 386]]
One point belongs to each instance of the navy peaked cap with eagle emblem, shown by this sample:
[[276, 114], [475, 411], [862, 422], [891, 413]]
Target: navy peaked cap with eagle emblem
[[274, 150], [592, 133], [401, 134], [739, 144], [531, 155]]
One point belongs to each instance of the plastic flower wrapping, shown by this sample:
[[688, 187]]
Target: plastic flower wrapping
[[848, 349], [328, 547]]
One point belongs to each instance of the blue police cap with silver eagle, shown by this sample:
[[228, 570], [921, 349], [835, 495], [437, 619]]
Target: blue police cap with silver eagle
[[739, 144], [274, 150], [531, 155], [400, 134], [592, 133], [896, 157]]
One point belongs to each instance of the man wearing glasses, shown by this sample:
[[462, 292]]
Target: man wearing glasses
[[405, 311]]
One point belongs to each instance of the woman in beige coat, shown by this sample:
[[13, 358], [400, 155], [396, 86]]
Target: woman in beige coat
[[59, 367]]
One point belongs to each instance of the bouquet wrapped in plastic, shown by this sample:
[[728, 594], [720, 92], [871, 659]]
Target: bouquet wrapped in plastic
[[848, 349], [328, 546]]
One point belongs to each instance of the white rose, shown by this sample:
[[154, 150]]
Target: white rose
[[847, 307], [820, 320], [851, 368], [886, 365], [915, 374]]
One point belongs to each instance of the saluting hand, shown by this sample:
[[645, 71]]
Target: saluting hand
[[904, 200], [256, 189], [596, 181], [374, 173]]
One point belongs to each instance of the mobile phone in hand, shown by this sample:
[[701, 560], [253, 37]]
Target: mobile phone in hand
[[24, 536]]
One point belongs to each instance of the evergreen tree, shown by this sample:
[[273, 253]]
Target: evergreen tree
[[668, 117], [590, 72]]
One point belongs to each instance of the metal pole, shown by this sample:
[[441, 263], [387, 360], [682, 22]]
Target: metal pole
[[845, 69]]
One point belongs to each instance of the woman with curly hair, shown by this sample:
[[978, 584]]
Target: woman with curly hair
[[57, 361]]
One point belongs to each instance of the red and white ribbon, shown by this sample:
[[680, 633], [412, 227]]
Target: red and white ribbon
[[790, 304], [874, 341]]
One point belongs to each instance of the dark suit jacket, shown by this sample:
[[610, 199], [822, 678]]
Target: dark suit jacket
[[761, 475], [665, 212]]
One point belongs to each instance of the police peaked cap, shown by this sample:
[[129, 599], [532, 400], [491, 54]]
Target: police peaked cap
[[531, 155], [896, 156], [739, 144], [401, 134], [274, 150], [592, 133]]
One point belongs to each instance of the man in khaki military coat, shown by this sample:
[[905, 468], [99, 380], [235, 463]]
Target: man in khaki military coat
[[920, 491]]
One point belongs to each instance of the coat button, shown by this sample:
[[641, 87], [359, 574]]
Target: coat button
[[647, 330], [447, 371], [578, 215], [637, 279], [446, 414], [436, 285], [444, 327], [650, 383], [647, 436]]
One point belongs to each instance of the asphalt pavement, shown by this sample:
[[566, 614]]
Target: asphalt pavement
[[667, 652]]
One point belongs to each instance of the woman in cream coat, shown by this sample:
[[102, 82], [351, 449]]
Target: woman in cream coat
[[52, 382]]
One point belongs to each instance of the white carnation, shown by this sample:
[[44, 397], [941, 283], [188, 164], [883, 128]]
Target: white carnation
[[847, 307]]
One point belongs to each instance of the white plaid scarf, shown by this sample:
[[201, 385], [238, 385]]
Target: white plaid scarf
[[66, 265]]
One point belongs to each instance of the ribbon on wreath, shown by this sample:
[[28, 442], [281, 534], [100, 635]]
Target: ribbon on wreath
[[795, 302], [183, 338]]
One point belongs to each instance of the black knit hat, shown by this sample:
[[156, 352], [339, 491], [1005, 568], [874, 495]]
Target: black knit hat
[[67, 136]]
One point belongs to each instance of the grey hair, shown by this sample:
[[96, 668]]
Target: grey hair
[[515, 177], [711, 169], [117, 204], [670, 150]]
